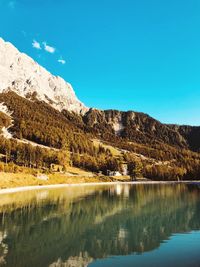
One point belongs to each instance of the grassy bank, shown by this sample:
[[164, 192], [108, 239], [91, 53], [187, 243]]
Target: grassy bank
[[11, 180]]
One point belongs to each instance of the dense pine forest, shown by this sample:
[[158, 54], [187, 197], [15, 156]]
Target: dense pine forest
[[149, 148]]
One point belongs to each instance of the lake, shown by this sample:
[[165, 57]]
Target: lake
[[104, 225]]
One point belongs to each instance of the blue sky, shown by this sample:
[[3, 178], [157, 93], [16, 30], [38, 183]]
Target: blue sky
[[141, 55]]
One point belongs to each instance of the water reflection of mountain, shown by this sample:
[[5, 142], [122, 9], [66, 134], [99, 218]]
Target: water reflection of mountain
[[66, 228]]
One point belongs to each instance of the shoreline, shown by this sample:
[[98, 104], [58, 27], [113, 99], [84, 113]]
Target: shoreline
[[54, 186]]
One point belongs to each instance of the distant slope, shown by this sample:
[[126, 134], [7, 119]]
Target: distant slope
[[140, 128], [189, 133]]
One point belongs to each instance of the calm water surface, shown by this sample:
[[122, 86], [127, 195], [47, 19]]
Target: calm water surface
[[113, 225]]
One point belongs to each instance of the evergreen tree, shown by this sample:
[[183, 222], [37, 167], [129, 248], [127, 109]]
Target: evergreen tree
[[135, 168]]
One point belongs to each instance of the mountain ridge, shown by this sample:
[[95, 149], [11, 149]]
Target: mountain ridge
[[21, 74]]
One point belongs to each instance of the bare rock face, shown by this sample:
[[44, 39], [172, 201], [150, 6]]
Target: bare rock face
[[21, 74]]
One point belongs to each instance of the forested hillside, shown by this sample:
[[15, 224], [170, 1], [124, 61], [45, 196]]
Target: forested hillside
[[148, 147]]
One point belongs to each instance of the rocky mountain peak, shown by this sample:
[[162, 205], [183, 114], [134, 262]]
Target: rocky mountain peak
[[21, 74]]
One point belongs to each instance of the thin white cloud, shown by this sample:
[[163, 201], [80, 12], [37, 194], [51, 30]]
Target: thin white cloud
[[48, 48], [61, 61], [36, 44], [11, 4]]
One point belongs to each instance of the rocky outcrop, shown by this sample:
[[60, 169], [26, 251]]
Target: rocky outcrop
[[21, 74]]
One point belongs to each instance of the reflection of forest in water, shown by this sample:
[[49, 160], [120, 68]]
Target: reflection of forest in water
[[77, 225]]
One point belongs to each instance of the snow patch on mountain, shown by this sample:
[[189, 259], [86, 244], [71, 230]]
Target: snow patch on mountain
[[118, 127], [21, 74], [28, 142], [117, 124], [4, 109], [5, 133], [5, 130]]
